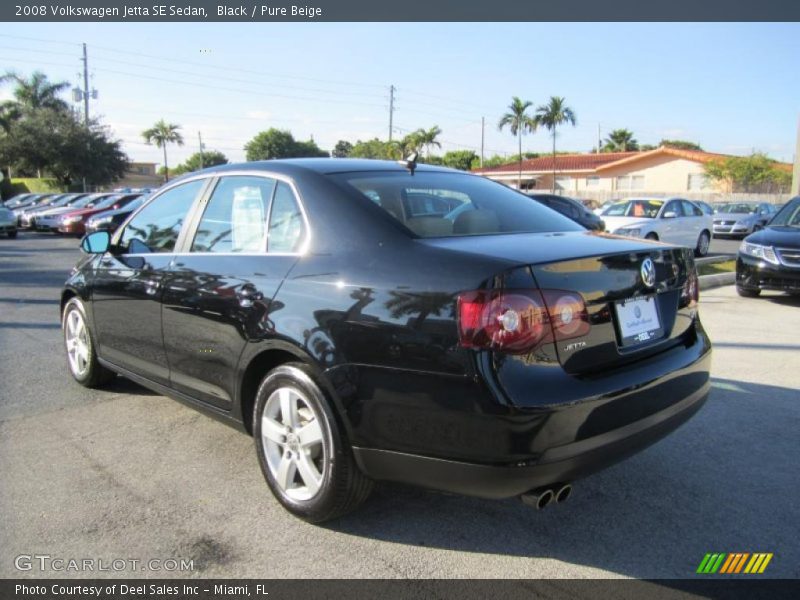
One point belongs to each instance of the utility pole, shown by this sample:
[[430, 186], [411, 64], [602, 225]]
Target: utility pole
[[200, 140], [483, 134], [85, 85], [391, 110], [796, 170]]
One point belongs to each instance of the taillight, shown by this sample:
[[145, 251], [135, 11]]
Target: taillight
[[690, 294], [518, 321]]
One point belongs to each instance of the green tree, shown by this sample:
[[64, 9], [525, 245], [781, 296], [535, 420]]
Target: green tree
[[459, 159], [680, 145], [550, 116], [279, 143], [518, 122], [620, 140], [57, 143], [756, 173], [427, 138], [35, 92], [209, 158], [373, 148], [342, 149], [161, 134]]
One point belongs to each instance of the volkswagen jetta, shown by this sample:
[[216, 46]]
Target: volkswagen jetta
[[506, 352]]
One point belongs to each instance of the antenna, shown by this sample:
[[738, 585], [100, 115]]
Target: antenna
[[410, 162]]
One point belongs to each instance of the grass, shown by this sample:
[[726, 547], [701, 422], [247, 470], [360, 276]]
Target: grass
[[721, 267]]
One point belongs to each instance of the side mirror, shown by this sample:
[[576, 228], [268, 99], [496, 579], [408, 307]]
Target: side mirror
[[670, 214], [96, 243]]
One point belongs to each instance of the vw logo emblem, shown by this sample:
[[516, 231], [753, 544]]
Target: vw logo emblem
[[648, 272], [638, 312]]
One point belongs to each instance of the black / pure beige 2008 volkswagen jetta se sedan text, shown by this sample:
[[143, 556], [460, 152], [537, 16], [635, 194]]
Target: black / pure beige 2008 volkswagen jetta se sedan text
[[369, 320]]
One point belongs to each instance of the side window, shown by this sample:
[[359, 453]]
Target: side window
[[674, 207], [157, 226], [235, 218], [690, 210], [286, 226]]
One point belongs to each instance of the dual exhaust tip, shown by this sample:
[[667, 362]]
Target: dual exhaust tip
[[541, 497]]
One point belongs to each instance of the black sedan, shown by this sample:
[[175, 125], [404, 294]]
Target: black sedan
[[506, 352], [111, 219], [572, 209], [769, 259]]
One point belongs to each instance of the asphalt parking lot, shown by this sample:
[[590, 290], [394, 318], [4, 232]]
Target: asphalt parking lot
[[125, 473]]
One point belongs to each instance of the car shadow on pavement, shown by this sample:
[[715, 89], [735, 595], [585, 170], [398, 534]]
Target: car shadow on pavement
[[123, 385], [724, 482]]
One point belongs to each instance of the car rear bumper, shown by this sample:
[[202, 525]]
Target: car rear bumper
[[517, 450], [755, 274]]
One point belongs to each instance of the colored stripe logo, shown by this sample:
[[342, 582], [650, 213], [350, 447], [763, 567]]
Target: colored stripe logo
[[732, 563]]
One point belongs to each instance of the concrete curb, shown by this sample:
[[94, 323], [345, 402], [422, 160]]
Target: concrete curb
[[718, 279]]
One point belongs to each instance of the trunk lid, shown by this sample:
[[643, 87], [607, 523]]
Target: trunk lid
[[606, 271]]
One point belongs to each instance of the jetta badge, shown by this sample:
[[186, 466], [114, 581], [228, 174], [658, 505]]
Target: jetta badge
[[648, 272]]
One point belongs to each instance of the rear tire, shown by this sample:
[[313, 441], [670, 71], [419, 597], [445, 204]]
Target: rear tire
[[746, 293], [79, 342], [12, 234], [703, 242], [303, 452], [651, 236]]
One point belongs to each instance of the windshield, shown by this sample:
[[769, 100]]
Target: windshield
[[433, 204], [789, 215], [645, 209], [740, 207], [106, 202]]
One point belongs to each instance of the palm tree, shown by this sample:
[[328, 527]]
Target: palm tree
[[552, 115], [620, 140], [161, 134], [36, 91], [518, 123], [427, 138]]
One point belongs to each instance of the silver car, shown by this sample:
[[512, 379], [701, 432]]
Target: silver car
[[740, 219], [8, 222]]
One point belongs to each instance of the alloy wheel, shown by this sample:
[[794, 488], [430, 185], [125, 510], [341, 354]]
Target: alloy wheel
[[76, 337], [294, 446]]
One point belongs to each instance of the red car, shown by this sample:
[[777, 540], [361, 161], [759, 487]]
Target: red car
[[74, 222]]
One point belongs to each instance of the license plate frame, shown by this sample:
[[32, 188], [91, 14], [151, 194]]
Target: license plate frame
[[638, 320]]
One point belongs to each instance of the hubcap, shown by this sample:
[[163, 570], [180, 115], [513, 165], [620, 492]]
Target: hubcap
[[291, 436], [76, 337]]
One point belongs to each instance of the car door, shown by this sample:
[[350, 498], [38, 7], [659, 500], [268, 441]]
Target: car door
[[693, 223], [127, 283], [670, 228], [218, 293]]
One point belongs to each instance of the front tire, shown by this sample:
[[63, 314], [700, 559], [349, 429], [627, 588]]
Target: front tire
[[12, 234], [302, 451], [79, 342], [703, 242], [651, 236]]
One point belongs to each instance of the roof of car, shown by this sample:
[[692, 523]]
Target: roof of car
[[290, 166]]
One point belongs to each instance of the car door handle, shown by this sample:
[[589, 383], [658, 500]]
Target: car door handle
[[248, 295]]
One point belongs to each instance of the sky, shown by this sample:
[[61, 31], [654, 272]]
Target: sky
[[732, 88]]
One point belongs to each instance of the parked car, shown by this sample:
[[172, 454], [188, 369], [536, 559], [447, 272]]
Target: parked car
[[49, 220], [506, 353], [8, 222], [572, 209], [27, 217], [109, 220], [74, 222], [673, 220], [16, 200], [739, 219], [769, 259], [37, 200]]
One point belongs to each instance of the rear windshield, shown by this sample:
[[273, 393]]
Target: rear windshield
[[453, 204]]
